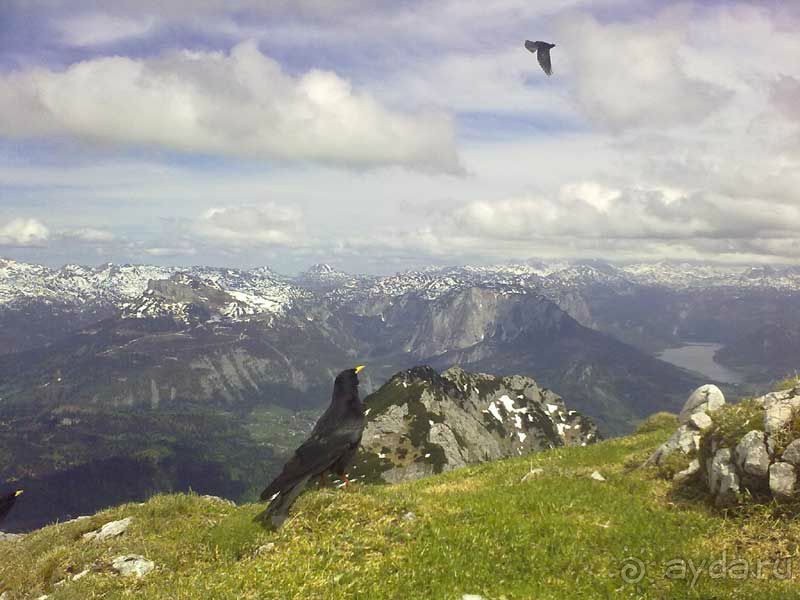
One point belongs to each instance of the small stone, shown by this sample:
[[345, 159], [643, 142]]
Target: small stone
[[80, 575], [688, 472], [265, 549], [782, 480], [700, 420], [597, 476], [472, 597], [792, 453], [531, 474], [109, 530], [218, 499], [409, 516], [132, 565]]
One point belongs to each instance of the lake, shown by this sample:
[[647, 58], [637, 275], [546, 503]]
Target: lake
[[699, 357]]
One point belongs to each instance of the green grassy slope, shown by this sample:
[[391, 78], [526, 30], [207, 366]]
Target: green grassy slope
[[478, 530]]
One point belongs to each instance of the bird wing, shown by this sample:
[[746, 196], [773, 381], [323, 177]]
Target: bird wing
[[531, 46], [543, 56], [315, 456]]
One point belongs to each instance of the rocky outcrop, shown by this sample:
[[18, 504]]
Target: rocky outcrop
[[751, 447], [421, 422], [694, 420]]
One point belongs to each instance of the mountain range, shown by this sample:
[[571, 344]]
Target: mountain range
[[131, 379]]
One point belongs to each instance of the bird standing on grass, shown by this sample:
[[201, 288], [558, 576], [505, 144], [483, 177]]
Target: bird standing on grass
[[7, 502], [332, 446], [542, 52]]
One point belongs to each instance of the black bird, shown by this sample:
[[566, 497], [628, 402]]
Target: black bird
[[7, 502], [332, 446], [542, 52]]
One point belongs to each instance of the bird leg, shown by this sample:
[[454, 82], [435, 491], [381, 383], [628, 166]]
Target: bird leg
[[346, 481]]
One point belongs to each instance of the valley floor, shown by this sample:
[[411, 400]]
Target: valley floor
[[479, 530]]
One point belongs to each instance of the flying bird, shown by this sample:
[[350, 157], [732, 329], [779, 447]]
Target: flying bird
[[7, 502], [542, 52], [330, 448]]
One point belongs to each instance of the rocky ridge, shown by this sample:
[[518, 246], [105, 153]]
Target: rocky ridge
[[421, 422]]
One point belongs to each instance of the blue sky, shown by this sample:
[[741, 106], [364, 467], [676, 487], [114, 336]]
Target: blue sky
[[379, 136]]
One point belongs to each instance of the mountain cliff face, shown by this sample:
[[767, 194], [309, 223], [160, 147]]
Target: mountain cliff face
[[421, 422]]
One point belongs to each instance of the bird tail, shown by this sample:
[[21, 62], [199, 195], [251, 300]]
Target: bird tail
[[278, 510]]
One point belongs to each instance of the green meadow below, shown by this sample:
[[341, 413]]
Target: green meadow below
[[487, 530]]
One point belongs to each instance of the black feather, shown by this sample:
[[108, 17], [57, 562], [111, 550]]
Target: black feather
[[330, 447], [7, 503], [542, 51]]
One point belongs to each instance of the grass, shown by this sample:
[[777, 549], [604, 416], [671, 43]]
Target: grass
[[658, 421], [477, 530]]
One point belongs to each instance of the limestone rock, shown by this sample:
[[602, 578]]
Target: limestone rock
[[779, 408], [109, 530], [700, 421], [723, 481], [597, 476], [688, 472], [792, 453], [752, 456], [706, 398], [686, 439], [782, 480], [132, 565]]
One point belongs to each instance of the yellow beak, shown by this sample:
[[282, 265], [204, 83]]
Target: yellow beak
[[359, 368], [18, 493]]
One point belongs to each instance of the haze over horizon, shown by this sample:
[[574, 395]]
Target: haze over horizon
[[381, 137]]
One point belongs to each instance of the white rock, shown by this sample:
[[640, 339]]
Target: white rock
[[686, 439], [109, 530], [723, 481], [752, 456], [704, 399], [688, 472], [472, 597], [792, 453], [10, 537], [132, 565], [597, 476], [80, 575], [779, 411], [409, 516], [700, 421], [531, 474], [265, 549], [782, 480], [218, 499]]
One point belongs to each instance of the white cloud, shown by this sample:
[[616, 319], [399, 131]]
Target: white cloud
[[23, 233], [95, 29], [635, 74], [240, 104], [264, 225], [163, 252], [89, 235]]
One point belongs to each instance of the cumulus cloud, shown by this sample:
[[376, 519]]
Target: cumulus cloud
[[241, 104], [627, 75], [23, 233], [264, 225]]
